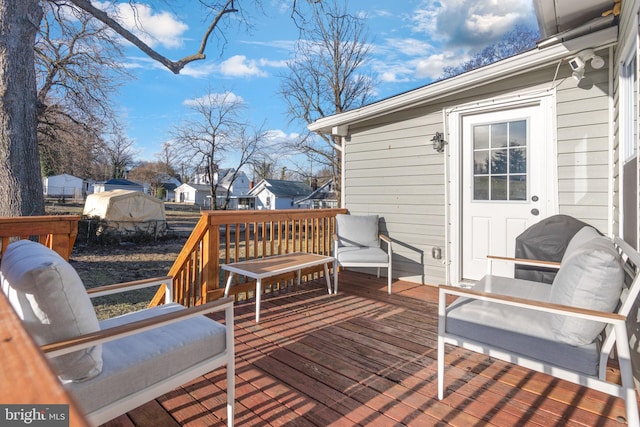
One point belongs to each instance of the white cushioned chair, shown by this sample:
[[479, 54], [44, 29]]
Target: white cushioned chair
[[357, 244], [116, 365], [567, 329]]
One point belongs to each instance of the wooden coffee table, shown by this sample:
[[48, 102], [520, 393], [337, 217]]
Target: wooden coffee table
[[261, 268]]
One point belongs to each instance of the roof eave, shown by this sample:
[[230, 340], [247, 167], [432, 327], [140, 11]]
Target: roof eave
[[527, 61]]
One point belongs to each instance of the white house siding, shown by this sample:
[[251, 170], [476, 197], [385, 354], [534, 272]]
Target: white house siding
[[583, 134], [393, 171]]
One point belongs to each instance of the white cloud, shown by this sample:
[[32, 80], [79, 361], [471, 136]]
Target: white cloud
[[152, 27], [239, 66], [214, 98], [470, 23], [409, 46]]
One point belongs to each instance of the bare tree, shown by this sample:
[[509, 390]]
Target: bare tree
[[515, 41], [21, 192], [78, 69], [170, 158], [217, 133], [326, 77], [120, 153]]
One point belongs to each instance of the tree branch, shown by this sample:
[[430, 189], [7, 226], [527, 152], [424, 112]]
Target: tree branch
[[174, 66]]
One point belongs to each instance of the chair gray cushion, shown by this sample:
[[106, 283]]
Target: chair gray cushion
[[590, 277], [353, 254], [133, 363], [357, 230], [517, 330], [582, 236], [51, 300]]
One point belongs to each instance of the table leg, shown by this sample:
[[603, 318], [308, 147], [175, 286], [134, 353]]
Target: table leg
[[228, 285], [326, 275], [258, 297], [299, 278]]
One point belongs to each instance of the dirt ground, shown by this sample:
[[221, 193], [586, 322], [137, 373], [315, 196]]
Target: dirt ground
[[125, 261]]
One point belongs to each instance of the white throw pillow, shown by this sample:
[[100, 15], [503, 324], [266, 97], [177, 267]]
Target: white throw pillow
[[590, 277], [51, 300]]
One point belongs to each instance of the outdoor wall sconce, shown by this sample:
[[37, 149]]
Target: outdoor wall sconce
[[438, 142]]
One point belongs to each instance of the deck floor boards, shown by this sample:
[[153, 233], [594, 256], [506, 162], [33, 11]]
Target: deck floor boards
[[363, 357]]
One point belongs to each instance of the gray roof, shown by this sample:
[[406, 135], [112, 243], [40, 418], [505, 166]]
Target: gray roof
[[282, 188]]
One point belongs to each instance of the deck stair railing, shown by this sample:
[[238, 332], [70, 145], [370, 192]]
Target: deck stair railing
[[222, 237]]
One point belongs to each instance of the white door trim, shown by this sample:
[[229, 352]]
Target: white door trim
[[453, 130]]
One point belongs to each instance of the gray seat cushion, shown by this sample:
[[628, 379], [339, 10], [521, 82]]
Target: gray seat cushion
[[590, 277], [138, 361], [357, 230], [517, 330], [354, 254]]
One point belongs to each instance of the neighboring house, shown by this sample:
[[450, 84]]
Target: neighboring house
[[64, 185], [322, 197], [278, 194], [200, 194], [169, 189], [195, 194], [169, 184], [118, 184], [462, 166], [240, 185]]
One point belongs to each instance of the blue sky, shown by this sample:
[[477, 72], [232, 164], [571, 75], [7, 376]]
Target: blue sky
[[411, 41]]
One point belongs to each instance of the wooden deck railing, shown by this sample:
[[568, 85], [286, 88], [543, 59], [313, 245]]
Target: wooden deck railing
[[57, 232], [223, 237]]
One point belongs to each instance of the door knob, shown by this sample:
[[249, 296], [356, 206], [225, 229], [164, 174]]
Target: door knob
[[535, 212]]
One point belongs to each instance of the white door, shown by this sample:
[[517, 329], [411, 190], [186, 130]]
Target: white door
[[503, 169]]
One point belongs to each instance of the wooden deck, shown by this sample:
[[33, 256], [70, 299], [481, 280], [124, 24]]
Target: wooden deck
[[363, 357]]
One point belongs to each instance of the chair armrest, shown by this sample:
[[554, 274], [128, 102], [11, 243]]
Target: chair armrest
[[94, 338], [525, 261], [130, 286], [521, 261], [386, 239], [547, 307]]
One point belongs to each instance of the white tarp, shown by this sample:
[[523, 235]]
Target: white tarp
[[127, 210]]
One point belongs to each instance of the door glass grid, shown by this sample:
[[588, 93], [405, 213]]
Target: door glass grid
[[500, 161]]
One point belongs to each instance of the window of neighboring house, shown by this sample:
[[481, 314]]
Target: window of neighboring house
[[268, 200]]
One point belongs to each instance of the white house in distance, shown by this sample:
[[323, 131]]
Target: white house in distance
[[431, 163], [118, 184], [200, 193], [274, 194], [64, 185], [322, 197]]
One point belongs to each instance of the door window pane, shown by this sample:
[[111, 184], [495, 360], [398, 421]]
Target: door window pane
[[499, 136], [481, 162], [517, 187], [481, 188], [481, 136], [500, 161]]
